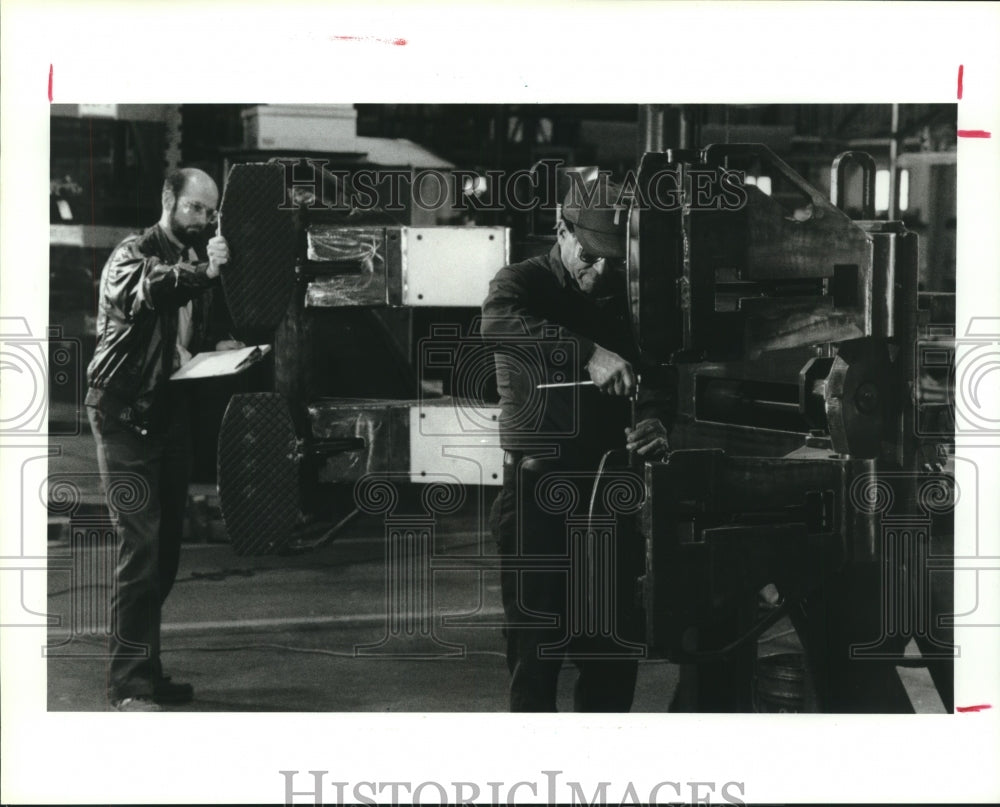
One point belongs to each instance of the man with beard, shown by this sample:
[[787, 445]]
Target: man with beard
[[561, 319], [153, 314]]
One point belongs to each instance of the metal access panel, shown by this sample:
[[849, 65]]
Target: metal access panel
[[419, 438], [457, 441], [451, 266], [402, 266]]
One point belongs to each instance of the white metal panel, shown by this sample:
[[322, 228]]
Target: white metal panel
[[451, 266], [455, 441]]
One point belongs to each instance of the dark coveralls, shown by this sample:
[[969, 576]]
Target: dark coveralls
[[141, 424], [544, 330]]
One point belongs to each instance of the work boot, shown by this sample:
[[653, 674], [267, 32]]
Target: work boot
[[166, 691], [140, 704]]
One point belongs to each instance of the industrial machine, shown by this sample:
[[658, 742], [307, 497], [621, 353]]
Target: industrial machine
[[796, 461], [356, 390]]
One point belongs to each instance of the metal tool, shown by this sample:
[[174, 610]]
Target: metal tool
[[633, 398], [561, 384], [564, 384]]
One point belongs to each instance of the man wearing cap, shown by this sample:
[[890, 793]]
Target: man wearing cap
[[561, 318]]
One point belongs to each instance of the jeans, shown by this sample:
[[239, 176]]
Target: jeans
[[549, 605], [145, 480]]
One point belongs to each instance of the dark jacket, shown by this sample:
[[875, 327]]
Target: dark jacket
[[544, 330], [143, 285]]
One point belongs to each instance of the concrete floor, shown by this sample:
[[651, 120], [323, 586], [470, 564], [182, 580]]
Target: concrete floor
[[298, 632], [285, 634]]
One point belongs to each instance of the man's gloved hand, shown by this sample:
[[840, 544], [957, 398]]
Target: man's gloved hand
[[610, 373], [648, 438], [218, 254]]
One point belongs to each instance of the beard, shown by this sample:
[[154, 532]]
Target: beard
[[193, 236]]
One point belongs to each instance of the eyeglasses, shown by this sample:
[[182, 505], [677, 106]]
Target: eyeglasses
[[195, 208], [585, 257], [582, 255], [610, 264]]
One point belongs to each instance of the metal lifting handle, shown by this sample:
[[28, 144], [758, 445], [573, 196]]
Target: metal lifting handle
[[837, 184]]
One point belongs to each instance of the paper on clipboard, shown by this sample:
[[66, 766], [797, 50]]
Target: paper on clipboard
[[214, 363]]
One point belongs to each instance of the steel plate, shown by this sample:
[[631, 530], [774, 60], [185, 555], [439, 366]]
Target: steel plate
[[259, 278], [259, 490]]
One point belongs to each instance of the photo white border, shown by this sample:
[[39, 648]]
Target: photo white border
[[510, 52]]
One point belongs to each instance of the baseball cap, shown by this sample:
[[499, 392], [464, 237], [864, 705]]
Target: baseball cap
[[598, 222]]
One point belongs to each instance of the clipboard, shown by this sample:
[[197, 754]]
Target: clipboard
[[216, 363]]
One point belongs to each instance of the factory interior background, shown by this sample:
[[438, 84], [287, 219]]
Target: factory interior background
[[271, 631]]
